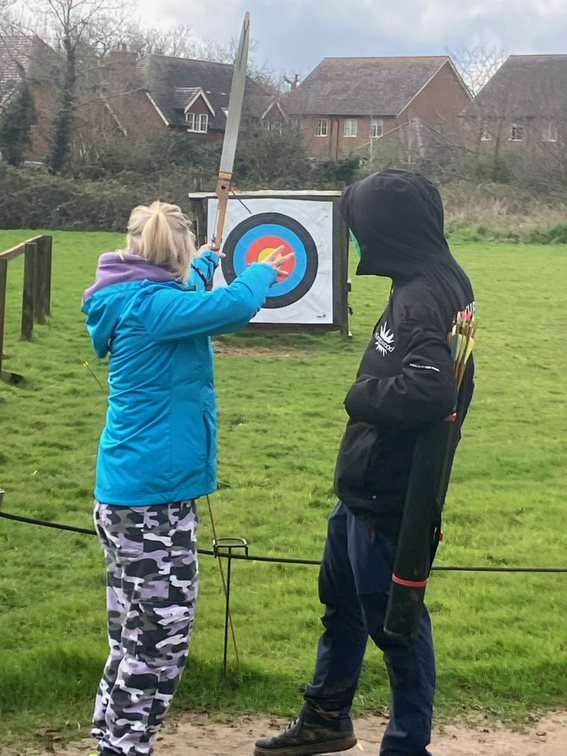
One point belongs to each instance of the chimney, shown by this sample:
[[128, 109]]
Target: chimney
[[120, 68]]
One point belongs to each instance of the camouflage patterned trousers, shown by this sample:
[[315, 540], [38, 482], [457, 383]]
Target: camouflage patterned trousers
[[152, 570]]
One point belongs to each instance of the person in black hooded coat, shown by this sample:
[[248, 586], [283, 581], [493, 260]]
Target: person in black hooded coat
[[404, 383]]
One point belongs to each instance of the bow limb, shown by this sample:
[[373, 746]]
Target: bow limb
[[235, 103]]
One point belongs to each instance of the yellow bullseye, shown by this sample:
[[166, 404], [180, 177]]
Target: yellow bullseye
[[266, 253]]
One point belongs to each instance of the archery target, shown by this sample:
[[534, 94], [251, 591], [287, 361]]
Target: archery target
[[303, 227], [255, 238]]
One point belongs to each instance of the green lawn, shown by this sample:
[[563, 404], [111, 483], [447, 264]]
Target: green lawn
[[501, 638]]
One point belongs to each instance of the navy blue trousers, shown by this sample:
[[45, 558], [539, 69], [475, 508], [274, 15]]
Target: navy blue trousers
[[353, 583]]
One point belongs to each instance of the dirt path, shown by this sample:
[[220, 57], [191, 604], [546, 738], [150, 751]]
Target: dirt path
[[196, 735]]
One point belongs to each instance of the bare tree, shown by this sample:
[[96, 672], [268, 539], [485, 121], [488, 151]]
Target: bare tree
[[11, 18], [71, 24], [105, 29], [292, 81], [5, 6], [216, 52], [477, 65], [177, 41]]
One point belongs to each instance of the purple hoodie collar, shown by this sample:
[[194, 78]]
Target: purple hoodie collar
[[122, 267]]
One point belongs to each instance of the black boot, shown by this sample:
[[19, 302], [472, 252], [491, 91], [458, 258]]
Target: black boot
[[303, 739]]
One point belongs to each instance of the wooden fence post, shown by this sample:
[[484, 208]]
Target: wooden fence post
[[43, 278], [29, 291], [48, 255], [3, 278]]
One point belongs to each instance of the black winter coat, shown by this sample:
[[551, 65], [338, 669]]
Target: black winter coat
[[405, 380]]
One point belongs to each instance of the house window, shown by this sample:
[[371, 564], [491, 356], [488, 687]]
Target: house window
[[273, 126], [516, 133], [376, 128], [485, 135], [321, 127], [197, 122], [550, 133], [351, 127]]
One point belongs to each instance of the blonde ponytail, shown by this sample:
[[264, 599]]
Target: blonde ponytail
[[162, 234]]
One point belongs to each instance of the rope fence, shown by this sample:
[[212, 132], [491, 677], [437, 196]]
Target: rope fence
[[236, 549], [278, 560]]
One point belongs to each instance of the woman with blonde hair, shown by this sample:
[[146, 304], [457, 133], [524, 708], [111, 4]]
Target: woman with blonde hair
[[150, 310]]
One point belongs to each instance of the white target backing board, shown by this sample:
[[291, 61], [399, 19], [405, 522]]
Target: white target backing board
[[256, 226]]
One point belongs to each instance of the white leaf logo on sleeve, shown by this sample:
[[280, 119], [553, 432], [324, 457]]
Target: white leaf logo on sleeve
[[384, 340]]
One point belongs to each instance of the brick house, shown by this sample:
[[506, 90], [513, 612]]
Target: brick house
[[346, 102], [114, 102], [136, 98], [127, 97], [523, 107], [29, 58], [191, 96]]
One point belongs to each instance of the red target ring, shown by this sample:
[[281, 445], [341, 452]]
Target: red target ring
[[264, 246]]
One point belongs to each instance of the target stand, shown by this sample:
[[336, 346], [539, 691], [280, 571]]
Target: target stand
[[314, 294]]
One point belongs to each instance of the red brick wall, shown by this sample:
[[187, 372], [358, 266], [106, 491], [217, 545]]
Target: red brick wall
[[439, 103], [500, 130], [336, 144], [137, 114], [46, 103]]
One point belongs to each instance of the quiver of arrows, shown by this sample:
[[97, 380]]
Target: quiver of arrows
[[420, 529]]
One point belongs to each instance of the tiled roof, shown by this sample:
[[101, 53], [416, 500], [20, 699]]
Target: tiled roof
[[183, 95], [362, 86], [29, 56], [524, 86], [167, 78]]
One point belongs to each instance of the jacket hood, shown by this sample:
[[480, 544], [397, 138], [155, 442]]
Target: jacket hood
[[104, 302], [397, 219]]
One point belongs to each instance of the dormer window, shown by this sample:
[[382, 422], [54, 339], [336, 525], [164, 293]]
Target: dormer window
[[197, 122]]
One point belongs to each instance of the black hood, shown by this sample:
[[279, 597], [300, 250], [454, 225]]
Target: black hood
[[397, 218]]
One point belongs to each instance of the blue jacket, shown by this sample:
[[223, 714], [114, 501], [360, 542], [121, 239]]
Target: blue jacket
[[159, 443]]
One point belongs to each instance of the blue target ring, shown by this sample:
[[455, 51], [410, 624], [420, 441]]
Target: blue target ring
[[256, 236]]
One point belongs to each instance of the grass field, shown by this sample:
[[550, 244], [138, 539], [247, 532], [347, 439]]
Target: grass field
[[501, 638]]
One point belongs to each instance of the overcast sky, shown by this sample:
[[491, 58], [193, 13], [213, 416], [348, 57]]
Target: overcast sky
[[294, 35]]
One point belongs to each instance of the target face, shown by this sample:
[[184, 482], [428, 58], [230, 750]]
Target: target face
[[260, 224], [254, 238]]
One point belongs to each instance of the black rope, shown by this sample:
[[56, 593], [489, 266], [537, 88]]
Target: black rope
[[277, 560], [46, 524]]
